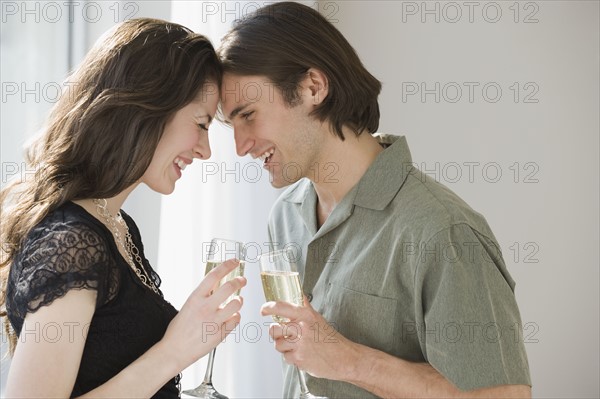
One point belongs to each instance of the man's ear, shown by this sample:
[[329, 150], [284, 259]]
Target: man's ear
[[316, 86]]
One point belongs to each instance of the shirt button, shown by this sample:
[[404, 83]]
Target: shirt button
[[309, 297]]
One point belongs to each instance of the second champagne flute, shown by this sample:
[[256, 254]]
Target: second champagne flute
[[281, 282], [219, 251]]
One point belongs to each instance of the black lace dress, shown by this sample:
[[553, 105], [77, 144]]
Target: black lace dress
[[70, 249]]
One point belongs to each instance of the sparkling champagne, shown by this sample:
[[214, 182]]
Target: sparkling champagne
[[282, 286]]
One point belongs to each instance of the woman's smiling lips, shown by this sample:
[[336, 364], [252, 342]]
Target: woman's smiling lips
[[180, 164]]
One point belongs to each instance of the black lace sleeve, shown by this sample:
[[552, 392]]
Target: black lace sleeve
[[59, 255]]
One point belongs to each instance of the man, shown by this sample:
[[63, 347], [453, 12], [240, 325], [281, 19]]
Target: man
[[407, 294]]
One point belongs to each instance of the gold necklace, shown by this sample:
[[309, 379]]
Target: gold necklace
[[127, 244]]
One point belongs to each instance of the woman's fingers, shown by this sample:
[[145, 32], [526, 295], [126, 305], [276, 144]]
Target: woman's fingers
[[228, 289], [230, 324], [212, 279], [229, 307]]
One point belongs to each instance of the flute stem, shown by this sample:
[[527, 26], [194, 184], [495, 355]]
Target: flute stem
[[209, 367], [303, 386]]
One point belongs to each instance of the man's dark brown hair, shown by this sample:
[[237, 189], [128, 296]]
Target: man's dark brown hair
[[282, 41]]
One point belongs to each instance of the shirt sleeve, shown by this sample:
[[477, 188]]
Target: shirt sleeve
[[471, 327], [55, 260]]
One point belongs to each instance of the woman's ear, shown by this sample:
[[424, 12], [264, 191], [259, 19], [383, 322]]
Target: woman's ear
[[317, 84]]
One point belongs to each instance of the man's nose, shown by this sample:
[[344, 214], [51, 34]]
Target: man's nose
[[243, 141]]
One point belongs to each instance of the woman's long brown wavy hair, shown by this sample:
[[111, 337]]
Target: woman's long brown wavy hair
[[102, 133]]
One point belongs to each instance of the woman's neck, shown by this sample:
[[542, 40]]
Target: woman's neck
[[113, 204]]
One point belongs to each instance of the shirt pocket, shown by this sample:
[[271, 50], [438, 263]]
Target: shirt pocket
[[362, 318]]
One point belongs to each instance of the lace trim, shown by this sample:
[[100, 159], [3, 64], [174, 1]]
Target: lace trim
[[59, 257]]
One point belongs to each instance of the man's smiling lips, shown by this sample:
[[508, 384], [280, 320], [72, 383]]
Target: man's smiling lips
[[266, 155]]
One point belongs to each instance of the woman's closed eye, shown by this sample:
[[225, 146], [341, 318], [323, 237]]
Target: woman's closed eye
[[203, 126]]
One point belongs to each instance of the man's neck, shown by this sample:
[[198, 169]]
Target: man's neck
[[342, 164]]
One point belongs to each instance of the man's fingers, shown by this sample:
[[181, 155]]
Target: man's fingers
[[276, 331], [284, 345], [283, 309], [289, 331]]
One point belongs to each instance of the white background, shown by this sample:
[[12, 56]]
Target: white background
[[525, 156]]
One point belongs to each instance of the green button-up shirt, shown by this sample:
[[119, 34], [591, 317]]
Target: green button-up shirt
[[403, 265]]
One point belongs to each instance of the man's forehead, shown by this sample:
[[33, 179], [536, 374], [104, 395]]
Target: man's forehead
[[245, 88], [236, 78], [233, 82]]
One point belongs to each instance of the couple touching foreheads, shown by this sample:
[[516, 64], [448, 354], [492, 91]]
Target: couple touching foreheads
[[139, 109]]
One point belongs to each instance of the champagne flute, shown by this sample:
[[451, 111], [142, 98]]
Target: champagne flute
[[219, 251], [281, 282]]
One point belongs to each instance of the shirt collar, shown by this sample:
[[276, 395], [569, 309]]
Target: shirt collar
[[298, 192], [386, 175], [376, 188]]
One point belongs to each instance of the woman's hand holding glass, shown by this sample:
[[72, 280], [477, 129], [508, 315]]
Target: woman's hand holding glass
[[206, 318], [219, 252]]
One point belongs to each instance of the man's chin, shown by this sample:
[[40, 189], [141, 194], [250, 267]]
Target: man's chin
[[278, 184], [281, 182]]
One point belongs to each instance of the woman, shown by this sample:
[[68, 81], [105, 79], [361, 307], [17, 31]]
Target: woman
[[79, 294]]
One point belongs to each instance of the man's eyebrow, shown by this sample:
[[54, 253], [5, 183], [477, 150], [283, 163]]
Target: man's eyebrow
[[237, 110]]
